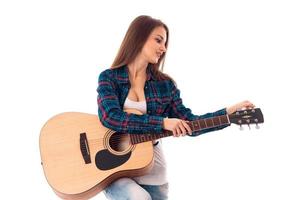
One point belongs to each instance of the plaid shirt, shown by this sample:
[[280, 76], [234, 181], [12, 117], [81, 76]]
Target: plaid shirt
[[162, 97]]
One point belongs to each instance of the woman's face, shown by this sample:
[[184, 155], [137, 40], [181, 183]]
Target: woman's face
[[155, 45]]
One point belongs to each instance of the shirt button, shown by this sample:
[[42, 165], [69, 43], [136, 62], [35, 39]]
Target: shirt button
[[149, 111]]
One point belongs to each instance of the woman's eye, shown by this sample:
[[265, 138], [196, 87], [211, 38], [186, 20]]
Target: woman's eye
[[158, 40]]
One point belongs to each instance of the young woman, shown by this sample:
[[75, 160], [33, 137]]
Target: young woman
[[135, 80]]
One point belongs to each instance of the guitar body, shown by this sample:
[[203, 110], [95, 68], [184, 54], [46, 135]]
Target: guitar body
[[80, 157]]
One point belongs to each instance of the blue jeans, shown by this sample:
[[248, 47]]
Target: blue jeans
[[128, 189]]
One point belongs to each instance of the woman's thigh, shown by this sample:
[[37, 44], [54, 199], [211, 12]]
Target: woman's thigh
[[126, 189], [157, 192]]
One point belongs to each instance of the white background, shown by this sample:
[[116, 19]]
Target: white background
[[220, 52]]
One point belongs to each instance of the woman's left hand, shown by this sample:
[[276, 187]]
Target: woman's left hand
[[239, 106]]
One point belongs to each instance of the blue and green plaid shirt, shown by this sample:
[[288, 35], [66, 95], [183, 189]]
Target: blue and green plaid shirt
[[162, 97]]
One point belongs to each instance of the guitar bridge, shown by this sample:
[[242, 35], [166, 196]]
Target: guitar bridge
[[84, 148]]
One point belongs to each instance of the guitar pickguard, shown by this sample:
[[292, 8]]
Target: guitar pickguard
[[105, 160]]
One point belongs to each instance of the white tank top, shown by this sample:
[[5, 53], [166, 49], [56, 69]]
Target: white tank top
[[158, 174]]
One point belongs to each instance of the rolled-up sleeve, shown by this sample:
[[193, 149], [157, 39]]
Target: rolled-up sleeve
[[178, 110], [112, 116]]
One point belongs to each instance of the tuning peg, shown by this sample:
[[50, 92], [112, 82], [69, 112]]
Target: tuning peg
[[257, 127], [241, 128]]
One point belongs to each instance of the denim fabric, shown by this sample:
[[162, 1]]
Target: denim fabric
[[128, 189]]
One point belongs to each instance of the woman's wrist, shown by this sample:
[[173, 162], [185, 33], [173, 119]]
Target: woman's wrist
[[164, 123], [231, 109]]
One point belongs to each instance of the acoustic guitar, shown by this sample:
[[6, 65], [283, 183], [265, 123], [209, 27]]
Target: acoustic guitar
[[80, 157]]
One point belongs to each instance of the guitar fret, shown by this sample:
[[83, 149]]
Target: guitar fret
[[219, 120], [209, 123], [193, 128], [133, 139], [195, 125], [202, 124], [216, 121], [227, 119], [224, 119], [150, 137], [143, 138], [157, 136], [154, 136], [138, 139]]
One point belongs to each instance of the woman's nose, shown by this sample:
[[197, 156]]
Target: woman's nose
[[163, 48]]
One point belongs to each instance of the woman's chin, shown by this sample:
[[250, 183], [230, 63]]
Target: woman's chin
[[154, 61]]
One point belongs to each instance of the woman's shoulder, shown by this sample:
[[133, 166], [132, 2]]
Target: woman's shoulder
[[169, 82], [108, 73], [161, 76]]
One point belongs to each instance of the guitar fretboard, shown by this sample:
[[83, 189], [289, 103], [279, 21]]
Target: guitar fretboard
[[196, 125]]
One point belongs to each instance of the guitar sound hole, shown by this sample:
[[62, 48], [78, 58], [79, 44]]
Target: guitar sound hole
[[119, 142]]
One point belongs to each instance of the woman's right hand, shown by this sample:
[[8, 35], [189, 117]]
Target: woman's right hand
[[179, 127]]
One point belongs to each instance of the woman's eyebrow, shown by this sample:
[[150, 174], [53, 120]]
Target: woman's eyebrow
[[160, 36]]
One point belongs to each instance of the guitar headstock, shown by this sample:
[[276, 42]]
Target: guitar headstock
[[250, 116]]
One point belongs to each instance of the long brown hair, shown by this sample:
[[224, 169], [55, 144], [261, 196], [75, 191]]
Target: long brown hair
[[134, 40]]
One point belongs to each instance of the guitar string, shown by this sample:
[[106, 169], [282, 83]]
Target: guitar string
[[117, 139]]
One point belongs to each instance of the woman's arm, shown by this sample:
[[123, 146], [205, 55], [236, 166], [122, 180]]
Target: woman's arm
[[178, 110]]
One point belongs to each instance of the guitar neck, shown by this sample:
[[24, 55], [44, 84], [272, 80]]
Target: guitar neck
[[196, 125]]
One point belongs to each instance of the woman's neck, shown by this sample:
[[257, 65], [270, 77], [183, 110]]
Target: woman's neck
[[137, 68]]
